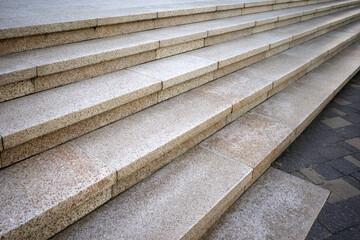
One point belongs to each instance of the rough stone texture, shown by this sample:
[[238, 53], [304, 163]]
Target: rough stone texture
[[238, 89], [33, 116], [52, 139], [176, 69], [277, 206], [42, 198], [128, 145], [166, 205], [57, 79], [354, 142], [16, 89], [12, 69], [180, 48], [185, 86], [253, 140]]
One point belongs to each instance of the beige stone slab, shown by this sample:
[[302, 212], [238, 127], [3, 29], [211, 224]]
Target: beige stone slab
[[57, 79], [274, 39], [164, 159], [180, 48], [176, 69], [227, 36], [253, 140], [258, 3], [35, 115], [186, 19], [65, 57], [180, 201], [123, 28], [239, 89], [229, 4], [179, 9], [128, 145], [251, 10], [353, 28], [228, 13], [184, 87], [13, 70], [40, 144], [278, 68], [298, 30], [277, 206], [176, 35], [290, 13], [233, 51], [294, 106], [115, 16], [16, 89], [31, 196]]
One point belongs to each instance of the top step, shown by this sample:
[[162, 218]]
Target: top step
[[51, 23]]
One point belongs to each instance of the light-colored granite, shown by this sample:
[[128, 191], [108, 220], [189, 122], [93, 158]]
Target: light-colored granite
[[180, 48], [43, 188], [178, 202], [128, 145], [65, 57], [233, 51], [277, 206], [16, 89], [176, 69], [238, 89], [278, 68], [26, 118], [40, 144], [252, 139], [12, 70]]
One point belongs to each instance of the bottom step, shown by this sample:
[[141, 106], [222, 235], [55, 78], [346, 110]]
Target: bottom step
[[183, 199], [278, 206]]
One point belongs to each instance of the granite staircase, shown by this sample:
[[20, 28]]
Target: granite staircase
[[149, 120]]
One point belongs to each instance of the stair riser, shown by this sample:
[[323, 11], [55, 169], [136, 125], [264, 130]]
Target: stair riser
[[34, 41], [41, 83], [39, 144]]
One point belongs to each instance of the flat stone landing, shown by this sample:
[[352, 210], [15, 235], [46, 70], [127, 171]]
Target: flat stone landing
[[277, 206]]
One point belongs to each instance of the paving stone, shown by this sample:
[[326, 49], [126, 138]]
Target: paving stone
[[354, 142], [338, 112], [353, 160], [312, 157], [334, 198], [327, 113], [348, 131], [334, 151], [352, 233], [356, 175], [326, 171], [288, 161], [299, 175], [340, 216], [336, 122], [341, 101], [353, 117], [265, 210], [312, 176], [341, 188], [327, 137], [319, 126], [344, 166], [318, 232], [352, 181]]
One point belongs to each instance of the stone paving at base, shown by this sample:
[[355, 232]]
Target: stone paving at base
[[327, 154]]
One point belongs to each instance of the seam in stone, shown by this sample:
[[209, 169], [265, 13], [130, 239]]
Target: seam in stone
[[232, 160], [87, 152]]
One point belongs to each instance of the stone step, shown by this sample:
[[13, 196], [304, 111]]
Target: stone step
[[167, 206], [37, 122], [277, 206], [37, 70], [48, 24], [97, 166]]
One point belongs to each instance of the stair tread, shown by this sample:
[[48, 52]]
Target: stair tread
[[38, 114], [130, 143], [277, 206], [64, 57], [167, 204], [15, 130], [53, 17], [262, 137], [34, 191]]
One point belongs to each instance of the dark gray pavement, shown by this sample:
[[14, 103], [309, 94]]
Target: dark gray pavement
[[327, 154]]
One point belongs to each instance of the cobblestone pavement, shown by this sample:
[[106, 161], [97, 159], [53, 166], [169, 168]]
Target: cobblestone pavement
[[327, 154]]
